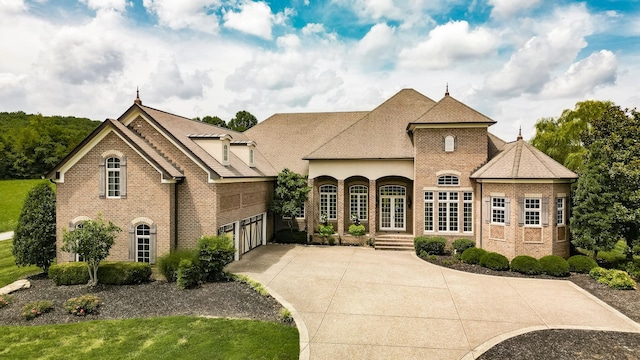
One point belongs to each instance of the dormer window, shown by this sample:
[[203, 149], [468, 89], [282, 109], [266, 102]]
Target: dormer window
[[448, 180], [251, 158], [225, 153], [449, 143]]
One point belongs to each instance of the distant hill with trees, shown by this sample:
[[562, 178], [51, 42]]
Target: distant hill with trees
[[32, 144]]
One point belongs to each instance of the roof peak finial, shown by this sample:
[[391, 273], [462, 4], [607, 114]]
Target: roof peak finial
[[446, 92], [137, 100], [520, 133]]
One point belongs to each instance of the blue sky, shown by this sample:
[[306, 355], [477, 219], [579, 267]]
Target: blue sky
[[514, 60]]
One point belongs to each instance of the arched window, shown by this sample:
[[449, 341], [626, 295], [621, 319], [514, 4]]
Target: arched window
[[449, 143], [143, 243], [329, 201], [448, 180], [113, 176], [225, 153], [142, 240], [358, 199], [251, 161]]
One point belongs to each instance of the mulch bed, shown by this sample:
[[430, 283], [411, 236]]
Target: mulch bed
[[157, 298], [560, 343]]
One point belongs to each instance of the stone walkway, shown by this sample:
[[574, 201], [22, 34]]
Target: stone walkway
[[358, 303]]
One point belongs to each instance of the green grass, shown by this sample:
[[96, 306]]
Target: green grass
[[12, 195], [179, 337], [9, 272]]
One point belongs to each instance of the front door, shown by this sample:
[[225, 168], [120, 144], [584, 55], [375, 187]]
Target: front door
[[392, 208]]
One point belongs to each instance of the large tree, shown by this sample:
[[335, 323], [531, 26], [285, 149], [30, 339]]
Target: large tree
[[213, 120], [561, 138], [243, 121], [291, 193], [92, 241], [34, 241]]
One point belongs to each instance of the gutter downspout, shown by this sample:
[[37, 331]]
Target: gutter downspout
[[481, 212]]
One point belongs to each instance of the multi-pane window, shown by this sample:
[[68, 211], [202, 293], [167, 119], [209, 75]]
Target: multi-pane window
[[447, 211], [428, 211], [467, 212], [358, 195], [329, 201], [560, 211], [498, 210], [448, 180], [532, 211], [113, 177], [143, 243]]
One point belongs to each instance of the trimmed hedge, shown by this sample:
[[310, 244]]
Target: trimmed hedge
[[357, 230], [168, 264], [526, 264], [286, 236], [554, 265], [431, 245], [109, 273], [494, 261], [460, 245], [189, 274], [581, 264], [214, 253], [473, 255]]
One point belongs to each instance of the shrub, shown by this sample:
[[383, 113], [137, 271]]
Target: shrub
[[597, 272], [124, 273], [5, 300], [473, 255], [357, 230], [259, 288], [526, 264], [73, 273], [430, 245], [554, 265], [494, 261], [633, 269], [168, 264], [332, 240], [618, 279], [286, 236], [189, 274], [460, 245], [581, 264], [82, 305], [34, 309], [285, 315], [325, 230], [214, 253]]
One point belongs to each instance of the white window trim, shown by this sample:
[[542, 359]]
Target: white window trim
[[533, 210], [499, 208], [448, 203], [451, 177], [331, 196], [138, 237], [431, 202], [362, 201], [465, 202], [562, 208], [117, 175]]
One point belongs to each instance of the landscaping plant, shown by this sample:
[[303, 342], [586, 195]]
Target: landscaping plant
[[5, 300], [581, 264], [430, 245], [554, 265], [34, 309], [357, 230], [82, 305], [615, 279], [189, 274], [460, 245], [473, 255], [168, 264], [214, 253], [526, 264], [291, 192], [494, 261]]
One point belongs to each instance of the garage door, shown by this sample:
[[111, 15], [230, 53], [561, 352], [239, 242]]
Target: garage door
[[252, 232]]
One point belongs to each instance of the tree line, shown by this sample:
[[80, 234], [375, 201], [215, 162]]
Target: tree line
[[243, 121]]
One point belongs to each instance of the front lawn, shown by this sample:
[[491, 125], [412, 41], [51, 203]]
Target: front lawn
[[178, 337], [13, 195], [9, 272]]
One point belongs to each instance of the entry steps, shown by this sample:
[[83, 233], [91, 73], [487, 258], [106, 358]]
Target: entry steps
[[394, 242]]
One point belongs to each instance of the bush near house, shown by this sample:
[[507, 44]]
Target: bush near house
[[431, 245], [581, 264], [73, 273], [357, 230], [189, 274], [526, 264], [615, 279], [168, 264], [460, 245], [214, 253], [473, 255], [554, 265], [286, 236], [109, 273], [82, 305], [34, 309], [494, 261]]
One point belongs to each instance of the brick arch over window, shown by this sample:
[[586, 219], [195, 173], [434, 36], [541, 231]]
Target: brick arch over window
[[113, 175], [143, 234]]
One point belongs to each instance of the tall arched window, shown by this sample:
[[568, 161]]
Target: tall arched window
[[113, 177], [143, 237], [358, 199], [143, 243], [329, 201], [449, 143], [225, 153]]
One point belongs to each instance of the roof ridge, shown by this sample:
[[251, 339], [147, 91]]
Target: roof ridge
[[537, 153], [516, 160], [186, 118]]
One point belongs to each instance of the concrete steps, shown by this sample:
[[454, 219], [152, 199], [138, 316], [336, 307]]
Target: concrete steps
[[394, 242]]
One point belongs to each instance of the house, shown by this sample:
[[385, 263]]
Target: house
[[409, 167]]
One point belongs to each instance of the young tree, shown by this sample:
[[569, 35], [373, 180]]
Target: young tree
[[92, 241], [34, 242], [243, 121], [291, 193]]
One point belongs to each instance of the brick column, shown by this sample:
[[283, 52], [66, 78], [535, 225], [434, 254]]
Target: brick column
[[340, 204], [373, 220], [311, 208]]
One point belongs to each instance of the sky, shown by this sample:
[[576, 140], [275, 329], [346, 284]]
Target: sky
[[515, 61]]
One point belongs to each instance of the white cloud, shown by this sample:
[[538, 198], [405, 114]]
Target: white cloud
[[254, 18], [597, 70], [312, 28], [167, 81], [118, 5], [9, 7], [448, 43], [503, 9], [376, 44], [290, 41], [178, 14], [533, 64]]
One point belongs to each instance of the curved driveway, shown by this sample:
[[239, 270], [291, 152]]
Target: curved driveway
[[358, 303]]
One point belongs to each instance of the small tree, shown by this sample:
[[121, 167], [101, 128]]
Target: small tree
[[34, 242], [92, 241], [291, 193], [243, 121]]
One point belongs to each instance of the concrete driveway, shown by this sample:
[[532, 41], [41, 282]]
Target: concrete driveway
[[358, 303]]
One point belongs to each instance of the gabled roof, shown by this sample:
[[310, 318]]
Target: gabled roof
[[161, 164], [451, 111], [381, 133], [521, 160], [179, 128], [284, 138]]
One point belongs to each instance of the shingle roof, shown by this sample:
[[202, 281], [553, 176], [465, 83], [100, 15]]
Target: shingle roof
[[450, 110], [285, 138], [180, 128], [381, 133], [521, 160]]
